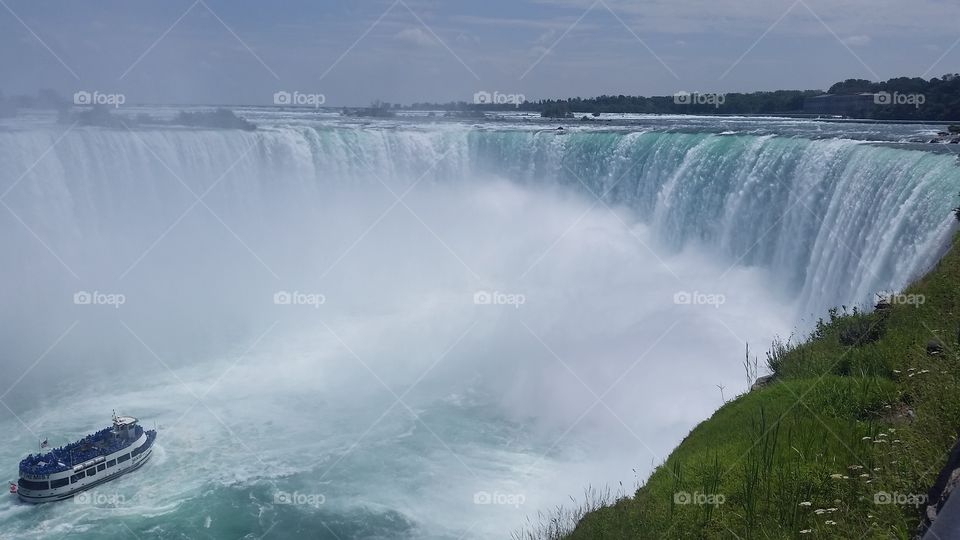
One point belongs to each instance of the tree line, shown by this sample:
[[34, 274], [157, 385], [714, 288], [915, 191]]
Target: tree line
[[910, 98]]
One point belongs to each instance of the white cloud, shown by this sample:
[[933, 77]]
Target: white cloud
[[415, 36]]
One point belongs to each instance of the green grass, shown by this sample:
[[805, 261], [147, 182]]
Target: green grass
[[857, 411]]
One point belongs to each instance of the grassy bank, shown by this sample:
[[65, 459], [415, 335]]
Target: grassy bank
[[843, 443]]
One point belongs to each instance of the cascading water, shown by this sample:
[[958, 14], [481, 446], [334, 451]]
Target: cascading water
[[836, 220], [397, 228]]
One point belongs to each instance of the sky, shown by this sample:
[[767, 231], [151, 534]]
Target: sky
[[352, 52]]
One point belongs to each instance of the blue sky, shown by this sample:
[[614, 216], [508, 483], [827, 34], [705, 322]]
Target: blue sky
[[352, 52]]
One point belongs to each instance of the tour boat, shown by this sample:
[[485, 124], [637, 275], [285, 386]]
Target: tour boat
[[97, 458]]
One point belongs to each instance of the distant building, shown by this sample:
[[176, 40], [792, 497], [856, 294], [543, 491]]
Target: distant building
[[855, 105]]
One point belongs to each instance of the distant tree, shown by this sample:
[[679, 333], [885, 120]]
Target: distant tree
[[853, 86], [556, 109]]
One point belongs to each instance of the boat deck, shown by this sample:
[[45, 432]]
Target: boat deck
[[65, 457]]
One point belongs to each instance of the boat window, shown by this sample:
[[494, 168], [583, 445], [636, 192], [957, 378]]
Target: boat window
[[123, 458], [111, 463], [54, 484], [101, 467], [31, 484], [91, 471], [77, 477]]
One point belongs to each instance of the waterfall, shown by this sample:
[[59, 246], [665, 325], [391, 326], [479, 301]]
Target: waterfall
[[834, 220]]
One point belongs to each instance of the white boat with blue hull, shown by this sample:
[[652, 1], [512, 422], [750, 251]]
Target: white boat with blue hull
[[97, 458]]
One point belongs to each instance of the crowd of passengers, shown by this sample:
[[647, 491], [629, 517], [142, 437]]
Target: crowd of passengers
[[59, 459]]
